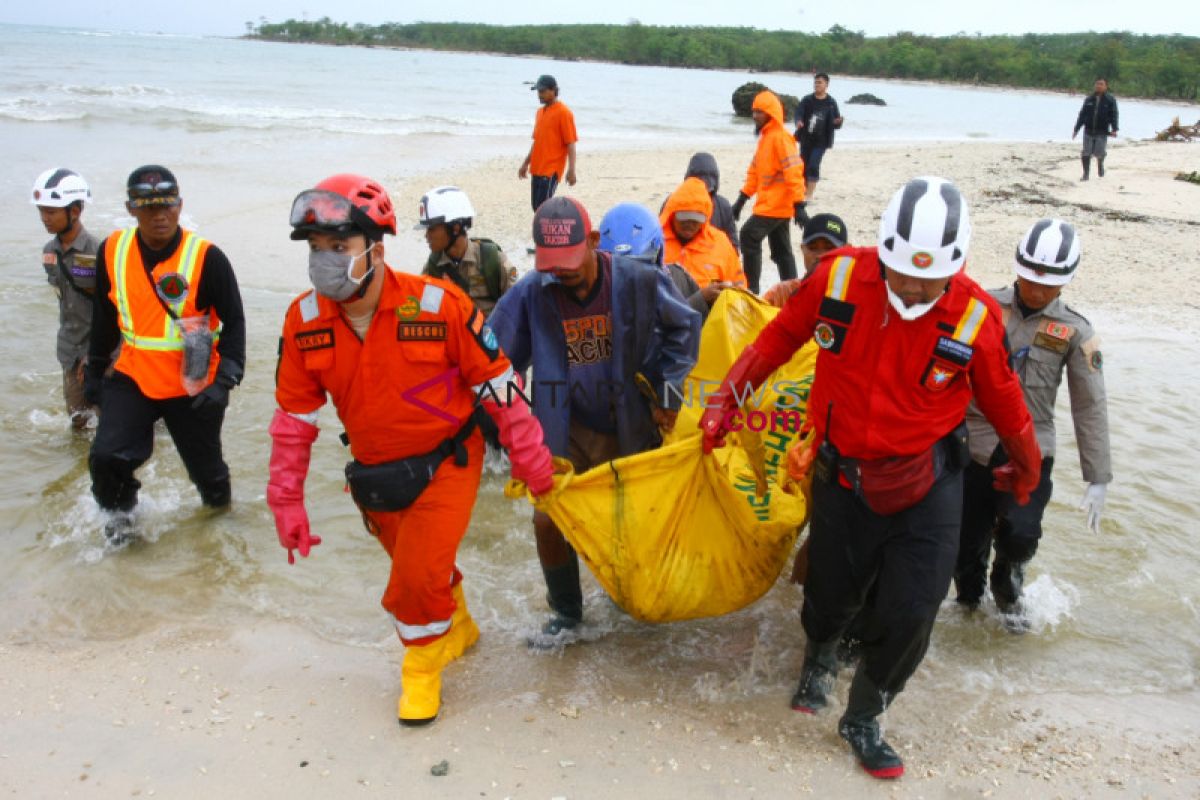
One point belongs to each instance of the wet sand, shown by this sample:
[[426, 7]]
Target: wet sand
[[261, 708]]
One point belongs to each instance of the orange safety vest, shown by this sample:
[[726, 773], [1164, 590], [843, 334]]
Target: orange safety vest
[[152, 345]]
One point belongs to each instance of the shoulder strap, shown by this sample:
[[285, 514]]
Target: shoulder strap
[[489, 265], [66, 274]]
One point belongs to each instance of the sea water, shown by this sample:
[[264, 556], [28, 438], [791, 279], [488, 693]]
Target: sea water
[[244, 124]]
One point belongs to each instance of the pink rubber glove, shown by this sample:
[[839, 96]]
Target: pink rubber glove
[[290, 451], [750, 368], [521, 435]]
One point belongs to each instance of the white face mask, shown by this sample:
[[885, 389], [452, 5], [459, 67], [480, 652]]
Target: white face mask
[[912, 312]]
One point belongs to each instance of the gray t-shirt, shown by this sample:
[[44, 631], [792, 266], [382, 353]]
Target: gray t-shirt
[[72, 271]]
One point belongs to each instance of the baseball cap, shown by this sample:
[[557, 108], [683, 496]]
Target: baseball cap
[[152, 185], [826, 226], [690, 216], [560, 229], [545, 82]]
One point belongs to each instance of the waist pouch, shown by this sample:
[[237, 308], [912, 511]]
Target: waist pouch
[[890, 485], [396, 485]]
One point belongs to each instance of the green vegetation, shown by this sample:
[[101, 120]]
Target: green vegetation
[[1136, 66]]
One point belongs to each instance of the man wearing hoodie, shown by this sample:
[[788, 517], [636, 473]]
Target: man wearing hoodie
[[704, 166], [690, 241], [776, 175]]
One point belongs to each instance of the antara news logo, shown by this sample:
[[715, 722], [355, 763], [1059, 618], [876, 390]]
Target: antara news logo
[[434, 397]]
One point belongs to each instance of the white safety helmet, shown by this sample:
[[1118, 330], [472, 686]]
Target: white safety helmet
[[926, 229], [58, 188], [446, 204], [1048, 253]]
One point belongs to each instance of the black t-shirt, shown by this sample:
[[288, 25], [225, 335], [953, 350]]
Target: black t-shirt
[[817, 116]]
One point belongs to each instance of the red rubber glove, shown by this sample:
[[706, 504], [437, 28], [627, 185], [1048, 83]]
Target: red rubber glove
[[751, 367], [1023, 472], [521, 435], [290, 451]]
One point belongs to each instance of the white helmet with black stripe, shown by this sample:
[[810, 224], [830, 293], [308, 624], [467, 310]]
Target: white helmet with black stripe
[[445, 205], [1048, 253], [59, 187], [926, 229]]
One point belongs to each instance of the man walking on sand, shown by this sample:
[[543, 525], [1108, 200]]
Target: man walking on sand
[[817, 117], [1098, 118], [553, 145]]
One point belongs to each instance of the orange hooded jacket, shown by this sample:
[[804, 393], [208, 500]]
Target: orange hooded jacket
[[777, 173], [708, 256]]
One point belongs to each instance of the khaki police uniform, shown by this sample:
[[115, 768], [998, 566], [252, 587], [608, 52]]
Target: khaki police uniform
[[471, 274], [71, 270]]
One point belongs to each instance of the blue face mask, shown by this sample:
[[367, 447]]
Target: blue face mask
[[330, 273]]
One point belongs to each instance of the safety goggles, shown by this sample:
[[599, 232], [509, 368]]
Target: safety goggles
[[163, 193], [318, 209]]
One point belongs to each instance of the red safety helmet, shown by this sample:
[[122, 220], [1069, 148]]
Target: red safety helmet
[[344, 204]]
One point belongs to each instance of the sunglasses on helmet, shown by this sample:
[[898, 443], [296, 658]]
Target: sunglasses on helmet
[[163, 193], [318, 209]]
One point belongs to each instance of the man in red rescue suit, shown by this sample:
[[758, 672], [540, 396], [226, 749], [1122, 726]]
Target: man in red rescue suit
[[403, 357], [906, 340], [172, 301]]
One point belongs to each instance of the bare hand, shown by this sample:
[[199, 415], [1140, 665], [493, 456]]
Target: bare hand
[[711, 292], [837, 122], [664, 418], [571, 177], [523, 172]]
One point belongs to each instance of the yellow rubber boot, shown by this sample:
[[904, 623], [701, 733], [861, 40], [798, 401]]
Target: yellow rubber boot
[[421, 671]]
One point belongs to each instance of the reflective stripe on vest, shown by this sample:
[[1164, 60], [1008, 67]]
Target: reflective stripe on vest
[[971, 321], [410, 633], [171, 339], [839, 277]]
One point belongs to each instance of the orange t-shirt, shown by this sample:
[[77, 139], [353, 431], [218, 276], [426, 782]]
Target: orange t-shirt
[[407, 386], [553, 132]]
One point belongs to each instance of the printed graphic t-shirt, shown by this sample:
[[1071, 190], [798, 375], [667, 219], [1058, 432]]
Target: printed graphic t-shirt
[[587, 329]]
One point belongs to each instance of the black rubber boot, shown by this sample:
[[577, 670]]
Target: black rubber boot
[[816, 677], [1087, 167], [566, 604], [217, 494], [859, 726], [1007, 580], [1100, 167]]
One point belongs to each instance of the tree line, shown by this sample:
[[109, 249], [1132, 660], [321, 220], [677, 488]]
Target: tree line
[[1166, 67]]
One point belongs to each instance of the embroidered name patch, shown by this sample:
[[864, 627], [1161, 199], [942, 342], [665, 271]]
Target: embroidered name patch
[[421, 331], [954, 351], [315, 340], [1044, 340]]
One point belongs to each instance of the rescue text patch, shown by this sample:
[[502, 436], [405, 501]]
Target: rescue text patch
[[421, 331], [315, 340]]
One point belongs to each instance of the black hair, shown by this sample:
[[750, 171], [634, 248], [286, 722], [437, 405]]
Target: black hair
[[824, 75]]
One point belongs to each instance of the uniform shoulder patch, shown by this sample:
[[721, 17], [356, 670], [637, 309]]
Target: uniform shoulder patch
[[1091, 354], [49, 257], [309, 307]]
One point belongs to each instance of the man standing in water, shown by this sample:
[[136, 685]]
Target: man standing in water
[[403, 357], [589, 323], [553, 145], [171, 299], [1098, 118], [70, 263], [817, 117], [906, 340], [1048, 338], [776, 175]]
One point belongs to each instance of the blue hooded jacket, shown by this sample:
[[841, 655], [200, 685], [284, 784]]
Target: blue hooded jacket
[[654, 332]]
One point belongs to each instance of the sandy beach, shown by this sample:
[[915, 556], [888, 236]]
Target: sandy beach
[[268, 709]]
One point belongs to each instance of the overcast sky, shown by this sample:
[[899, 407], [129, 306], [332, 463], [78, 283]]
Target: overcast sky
[[875, 17]]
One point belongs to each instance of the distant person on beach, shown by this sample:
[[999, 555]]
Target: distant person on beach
[[906, 340], [822, 233], [776, 175], [1048, 339], [172, 300], [553, 145], [403, 358], [696, 245], [817, 117], [632, 230], [1098, 118], [475, 265], [704, 166], [69, 260], [593, 326]]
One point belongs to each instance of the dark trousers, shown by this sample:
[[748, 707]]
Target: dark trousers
[[777, 232], [909, 557], [125, 440], [541, 189], [990, 516]]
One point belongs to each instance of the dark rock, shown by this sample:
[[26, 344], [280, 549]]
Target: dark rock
[[743, 100], [440, 769], [866, 99]]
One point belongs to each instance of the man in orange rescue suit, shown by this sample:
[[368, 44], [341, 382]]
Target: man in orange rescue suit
[[776, 175], [905, 338], [691, 241], [403, 358], [172, 300]]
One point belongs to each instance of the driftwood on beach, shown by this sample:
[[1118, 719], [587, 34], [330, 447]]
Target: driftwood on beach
[[1179, 133]]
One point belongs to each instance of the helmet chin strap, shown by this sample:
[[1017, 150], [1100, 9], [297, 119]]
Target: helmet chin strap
[[454, 237]]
